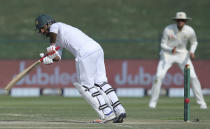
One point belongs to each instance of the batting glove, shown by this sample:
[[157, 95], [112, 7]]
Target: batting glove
[[46, 60], [51, 49]]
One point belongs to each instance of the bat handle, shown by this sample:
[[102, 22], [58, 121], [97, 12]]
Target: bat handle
[[50, 53]]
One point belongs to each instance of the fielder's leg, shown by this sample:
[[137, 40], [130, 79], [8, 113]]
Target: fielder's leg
[[196, 86], [155, 91], [113, 100]]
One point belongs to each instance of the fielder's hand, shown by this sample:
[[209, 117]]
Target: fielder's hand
[[192, 56], [173, 50], [51, 49], [46, 60]]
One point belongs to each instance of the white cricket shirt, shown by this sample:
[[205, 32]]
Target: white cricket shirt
[[172, 37], [74, 40]]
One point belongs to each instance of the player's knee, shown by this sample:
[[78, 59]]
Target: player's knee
[[105, 87], [79, 87], [158, 78], [95, 93], [101, 85]]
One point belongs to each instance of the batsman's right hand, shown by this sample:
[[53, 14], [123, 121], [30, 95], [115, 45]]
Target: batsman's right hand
[[46, 60]]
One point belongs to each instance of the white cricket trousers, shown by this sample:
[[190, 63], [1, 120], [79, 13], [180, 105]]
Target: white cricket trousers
[[166, 61], [88, 67], [91, 69]]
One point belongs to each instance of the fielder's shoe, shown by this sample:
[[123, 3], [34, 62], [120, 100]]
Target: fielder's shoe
[[203, 106], [152, 105], [120, 118]]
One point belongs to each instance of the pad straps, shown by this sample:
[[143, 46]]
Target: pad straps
[[100, 86], [116, 104]]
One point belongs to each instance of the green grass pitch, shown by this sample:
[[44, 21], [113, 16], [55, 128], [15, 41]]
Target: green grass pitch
[[56, 112]]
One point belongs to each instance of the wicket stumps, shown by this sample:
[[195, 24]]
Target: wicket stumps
[[187, 93]]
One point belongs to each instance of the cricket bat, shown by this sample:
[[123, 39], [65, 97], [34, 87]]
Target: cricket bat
[[26, 71]]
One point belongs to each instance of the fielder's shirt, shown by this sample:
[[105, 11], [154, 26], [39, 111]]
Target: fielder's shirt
[[172, 37]]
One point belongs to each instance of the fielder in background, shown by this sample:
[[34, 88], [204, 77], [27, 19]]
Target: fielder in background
[[174, 50], [90, 68]]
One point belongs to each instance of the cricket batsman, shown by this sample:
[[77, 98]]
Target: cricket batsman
[[174, 50], [90, 68]]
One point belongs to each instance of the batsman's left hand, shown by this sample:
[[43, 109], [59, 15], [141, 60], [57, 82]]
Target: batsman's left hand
[[51, 49]]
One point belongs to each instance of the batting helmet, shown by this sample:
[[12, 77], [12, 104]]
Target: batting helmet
[[42, 20]]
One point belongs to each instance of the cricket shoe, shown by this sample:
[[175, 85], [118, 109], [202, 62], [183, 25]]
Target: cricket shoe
[[152, 105], [108, 117], [203, 106], [120, 118]]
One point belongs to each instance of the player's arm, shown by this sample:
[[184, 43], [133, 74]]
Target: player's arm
[[48, 58], [194, 44], [56, 54], [56, 57], [52, 38], [53, 31], [164, 41]]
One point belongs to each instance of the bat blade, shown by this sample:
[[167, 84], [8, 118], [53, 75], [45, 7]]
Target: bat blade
[[26, 71], [21, 75]]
